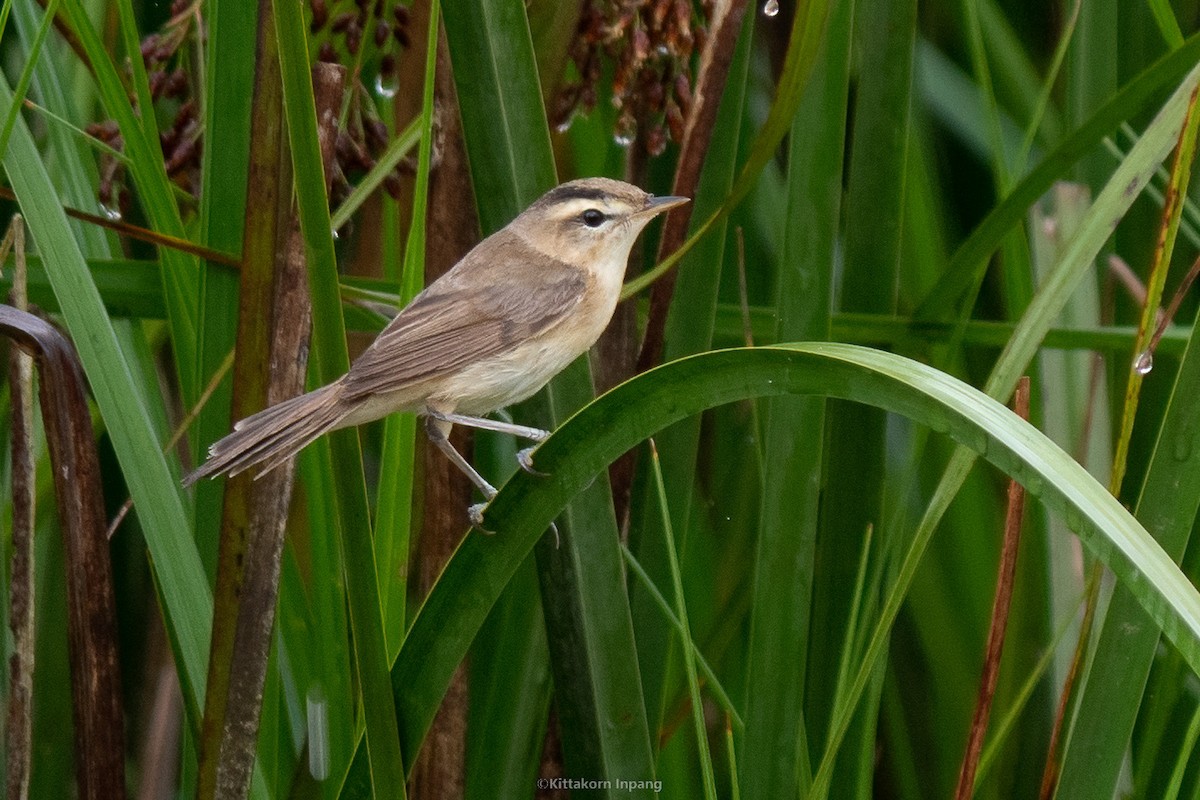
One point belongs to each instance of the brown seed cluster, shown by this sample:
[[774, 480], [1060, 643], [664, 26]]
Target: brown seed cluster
[[650, 44], [366, 33], [361, 34], [170, 91]]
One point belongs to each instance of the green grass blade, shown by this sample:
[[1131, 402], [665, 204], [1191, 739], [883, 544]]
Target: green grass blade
[[702, 664], [777, 650], [331, 361], [22, 87], [1112, 203], [180, 273], [393, 518], [223, 168], [588, 621], [494, 69], [1111, 697], [689, 657], [688, 330], [972, 256], [396, 150], [183, 590], [580, 449]]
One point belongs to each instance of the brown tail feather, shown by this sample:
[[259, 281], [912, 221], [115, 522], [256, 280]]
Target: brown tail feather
[[273, 435]]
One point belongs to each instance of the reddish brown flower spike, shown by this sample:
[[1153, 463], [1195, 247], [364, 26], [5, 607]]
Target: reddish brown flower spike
[[656, 141], [320, 14], [354, 37], [641, 44], [683, 91], [675, 122]]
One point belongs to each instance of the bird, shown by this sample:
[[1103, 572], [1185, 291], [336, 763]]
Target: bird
[[510, 315]]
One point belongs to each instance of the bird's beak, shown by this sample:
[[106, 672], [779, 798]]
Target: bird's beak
[[657, 205]]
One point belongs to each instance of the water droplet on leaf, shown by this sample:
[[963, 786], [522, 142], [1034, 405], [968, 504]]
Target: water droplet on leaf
[[385, 88], [1143, 363], [317, 713], [771, 8]]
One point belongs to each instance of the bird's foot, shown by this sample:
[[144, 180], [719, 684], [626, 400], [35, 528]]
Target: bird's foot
[[475, 514], [525, 459]]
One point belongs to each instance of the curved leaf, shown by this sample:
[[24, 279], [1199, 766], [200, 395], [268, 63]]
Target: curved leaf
[[586, 443]]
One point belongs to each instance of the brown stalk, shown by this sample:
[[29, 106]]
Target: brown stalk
[[452, 230], [1051, 770], [710, 85], [95, 672], [616, 365], [143, 234], [1001, 604], [19, 741], [273, 326]]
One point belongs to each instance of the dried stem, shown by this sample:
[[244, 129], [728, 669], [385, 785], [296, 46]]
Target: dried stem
[[1001, 604]]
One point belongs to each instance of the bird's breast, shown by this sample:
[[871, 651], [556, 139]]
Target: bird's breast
[[518, 373]]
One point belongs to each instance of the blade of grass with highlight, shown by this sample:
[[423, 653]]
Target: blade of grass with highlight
[[331, 362], [588, 623], [972, 256], [223, 184], [393, 516], [685, 633], [777, 651], [396, 150], [688, 330], [140, 136], [22, 87], [1108, 705], [183, 591], [580, 449], [1112, 203]]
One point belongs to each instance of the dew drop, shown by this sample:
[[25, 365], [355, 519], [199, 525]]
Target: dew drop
[[1143, 363], [771, 8], [623, 139], [318, 733], [336, 235], [385, 88], [565, 125], [110, 212]]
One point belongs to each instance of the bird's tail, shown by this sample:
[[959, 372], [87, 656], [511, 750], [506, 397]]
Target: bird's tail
[[273, 435]]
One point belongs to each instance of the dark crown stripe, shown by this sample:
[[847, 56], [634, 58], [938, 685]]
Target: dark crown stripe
[[568, 192]]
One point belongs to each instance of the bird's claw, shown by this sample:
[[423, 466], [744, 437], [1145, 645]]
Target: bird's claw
[[475, 514], [525, 459]]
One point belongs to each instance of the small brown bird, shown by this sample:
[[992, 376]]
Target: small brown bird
[[514, 312]]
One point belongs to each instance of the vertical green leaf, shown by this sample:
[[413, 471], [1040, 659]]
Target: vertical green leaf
[[774, 751], [183, 591], [331, 361]]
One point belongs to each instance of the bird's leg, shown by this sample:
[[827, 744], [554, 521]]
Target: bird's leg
[[522, 431], [437, 429], [524, 457]]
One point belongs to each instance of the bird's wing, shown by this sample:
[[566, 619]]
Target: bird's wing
[[455, 322]]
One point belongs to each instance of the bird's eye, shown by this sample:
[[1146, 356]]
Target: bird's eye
[[593, 218]]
